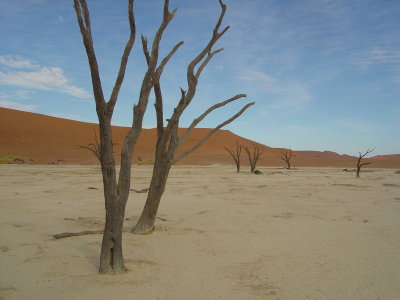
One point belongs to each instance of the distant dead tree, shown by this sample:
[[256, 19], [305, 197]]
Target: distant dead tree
[[360, 157], [287, 156], [254, 155], [235, 154], [116, 191], [93, 147]]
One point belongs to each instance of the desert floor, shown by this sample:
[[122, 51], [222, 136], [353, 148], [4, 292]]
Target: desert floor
[[310, 233]]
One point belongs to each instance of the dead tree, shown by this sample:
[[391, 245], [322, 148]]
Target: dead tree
[[359, 163], [116, 190], [287, 156], [254, 156], [168, 140], [235, 154], [93, 147]]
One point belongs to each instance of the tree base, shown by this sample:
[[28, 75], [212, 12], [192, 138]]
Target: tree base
[[142, 230]]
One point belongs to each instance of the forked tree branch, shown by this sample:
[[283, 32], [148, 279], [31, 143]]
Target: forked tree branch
[[208, 111], [192, 77], [205, 138], [146, 87], [157, 88], [206, 61], [366, 152], [235, 154]]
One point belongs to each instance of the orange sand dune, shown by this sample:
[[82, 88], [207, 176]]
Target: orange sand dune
[[49, 139]]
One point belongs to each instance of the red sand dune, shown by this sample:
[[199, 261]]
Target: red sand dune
[[49, 139]]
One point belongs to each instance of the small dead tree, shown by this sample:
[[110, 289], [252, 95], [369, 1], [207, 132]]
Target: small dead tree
[[168, 140], [359, 163], [254, 155], [287, 156], [93, 147], [235, 154]]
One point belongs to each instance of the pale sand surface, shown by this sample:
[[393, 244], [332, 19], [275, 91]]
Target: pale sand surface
[[314, 233]]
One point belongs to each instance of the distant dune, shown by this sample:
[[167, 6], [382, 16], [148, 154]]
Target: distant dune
[[49, 139]]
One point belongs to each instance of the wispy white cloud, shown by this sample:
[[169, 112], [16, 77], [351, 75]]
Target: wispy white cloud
[[262, 80], [358, 125], [41, 78], [288, 95], [15, 95], [17, 62], [18, 106], [377, 56], [292, 97], [68, 116]]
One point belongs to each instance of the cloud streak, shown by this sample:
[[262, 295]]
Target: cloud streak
[[18, 106], [41, 78], [288, 95], [17, 62], [377, 56]]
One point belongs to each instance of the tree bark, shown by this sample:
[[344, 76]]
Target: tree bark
[[111, 258], [156, 190]]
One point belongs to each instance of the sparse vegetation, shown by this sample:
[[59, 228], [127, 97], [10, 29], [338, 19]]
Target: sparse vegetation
[[17, 159]]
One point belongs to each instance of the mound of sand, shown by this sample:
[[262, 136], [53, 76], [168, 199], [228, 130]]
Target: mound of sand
[[49, 139]]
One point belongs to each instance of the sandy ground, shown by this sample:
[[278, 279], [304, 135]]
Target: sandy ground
[[311, 233]]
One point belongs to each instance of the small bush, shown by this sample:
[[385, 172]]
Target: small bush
[[147, 162]]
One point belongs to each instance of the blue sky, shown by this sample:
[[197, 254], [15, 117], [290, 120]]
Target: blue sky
[[325, 74]]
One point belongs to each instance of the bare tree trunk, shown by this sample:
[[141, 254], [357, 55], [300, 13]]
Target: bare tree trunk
[[111, 258], [252, 167], [358, 167], [156, 190]]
